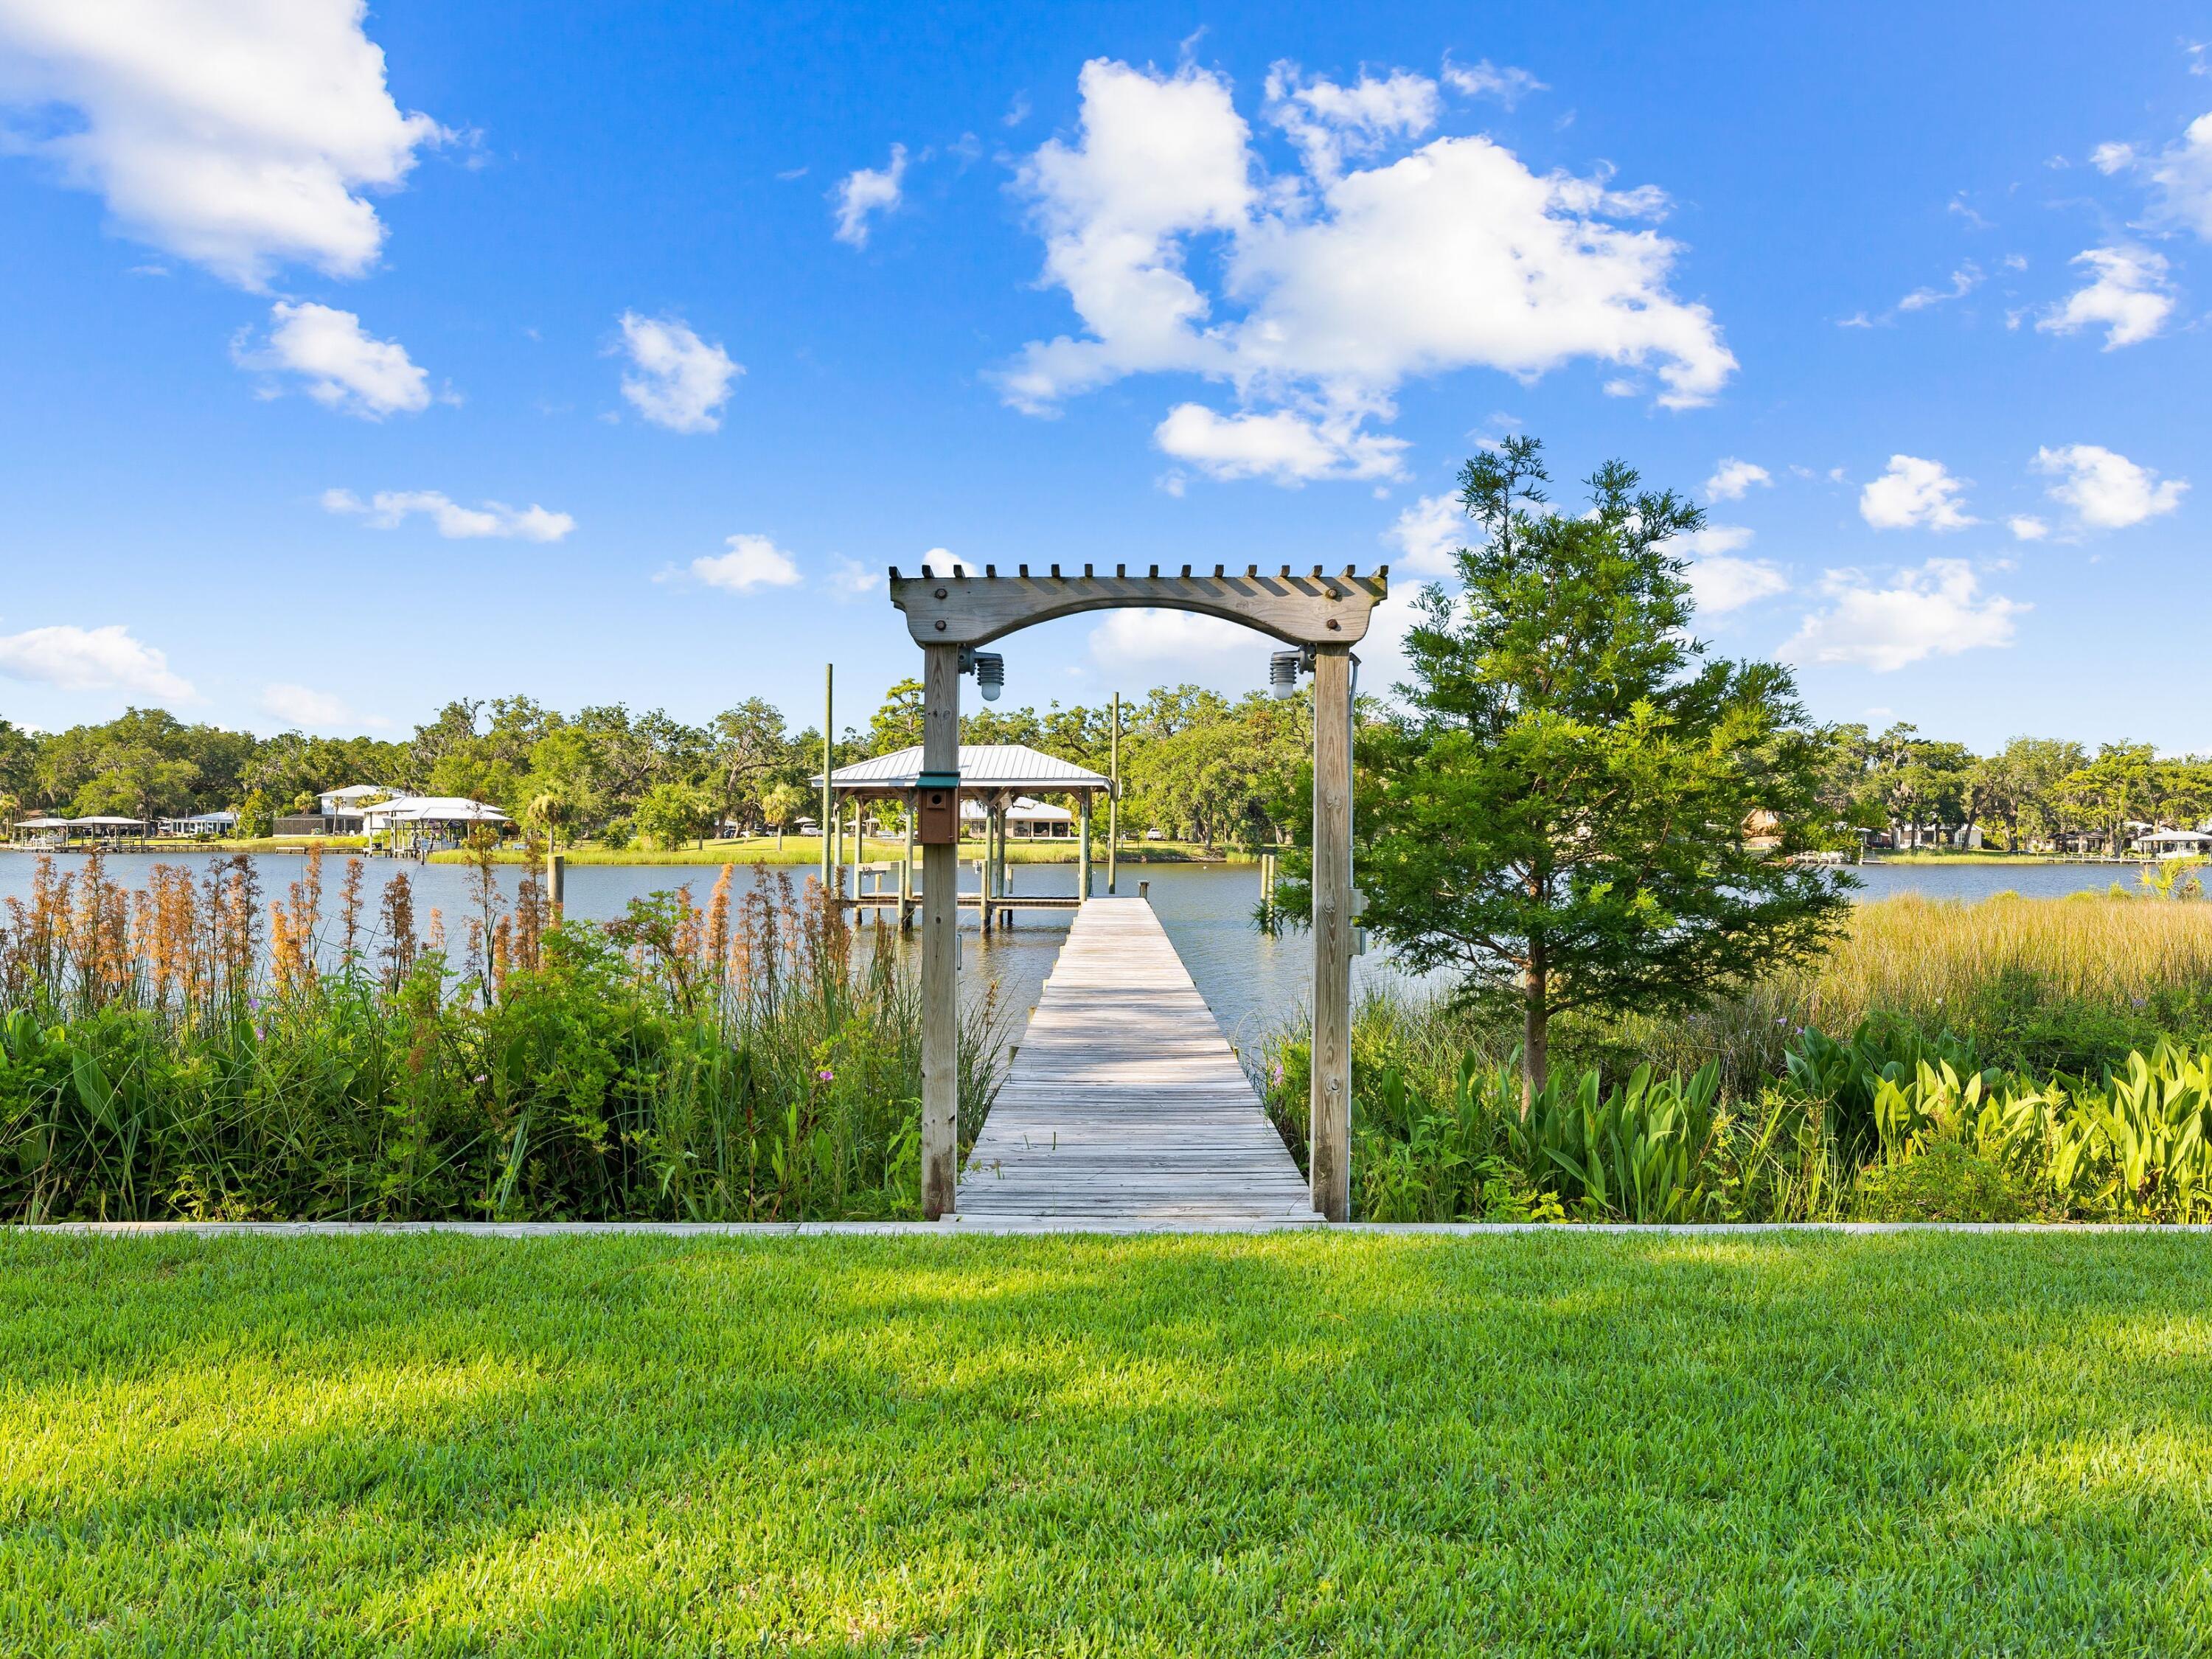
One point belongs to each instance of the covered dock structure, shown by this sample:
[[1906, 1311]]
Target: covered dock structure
[[425, 822], [996, 781], [105, 830]]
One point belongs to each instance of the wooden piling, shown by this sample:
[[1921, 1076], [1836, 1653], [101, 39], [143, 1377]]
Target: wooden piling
[[1114, 794], [940, 945], [1331, 1096], [828, 765]]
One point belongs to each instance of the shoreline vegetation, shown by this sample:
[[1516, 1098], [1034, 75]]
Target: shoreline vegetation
[[187, 1051], [191, 1051], [2009, 1059]]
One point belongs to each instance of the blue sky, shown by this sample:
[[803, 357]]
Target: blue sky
[[355, 360]]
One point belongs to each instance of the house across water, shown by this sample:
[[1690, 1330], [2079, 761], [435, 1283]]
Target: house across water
[[337, 811]]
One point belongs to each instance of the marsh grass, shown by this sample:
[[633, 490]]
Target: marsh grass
[[187, 1050], [2062, 999], [2070, 984]]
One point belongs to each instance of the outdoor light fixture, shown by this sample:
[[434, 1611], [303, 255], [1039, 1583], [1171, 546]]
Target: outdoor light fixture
[[1283, 669], [989, 669]]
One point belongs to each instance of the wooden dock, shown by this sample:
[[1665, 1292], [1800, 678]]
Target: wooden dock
[[1125, 1104]]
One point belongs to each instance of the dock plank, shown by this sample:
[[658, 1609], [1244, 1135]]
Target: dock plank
[[1125, 1103]]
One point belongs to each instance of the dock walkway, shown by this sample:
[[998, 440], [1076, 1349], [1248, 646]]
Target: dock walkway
[[1125, 1103]]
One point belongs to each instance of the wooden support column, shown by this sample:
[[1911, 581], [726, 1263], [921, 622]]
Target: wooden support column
[[940, 945], [1114, 795], [986, 872], [1331, 1101], [906, 875], [1006, 863], [829, 764], [1083, 851]]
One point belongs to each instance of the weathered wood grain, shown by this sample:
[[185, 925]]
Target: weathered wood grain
[[1125, 1103], [1319, 609], [940, 946]]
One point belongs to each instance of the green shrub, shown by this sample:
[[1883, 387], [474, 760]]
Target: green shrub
[[160, 1059], [1945, 1182]]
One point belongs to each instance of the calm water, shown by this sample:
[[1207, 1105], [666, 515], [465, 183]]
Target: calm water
[[1253, 983]]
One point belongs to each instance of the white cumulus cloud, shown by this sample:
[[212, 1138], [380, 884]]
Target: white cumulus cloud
[[1428, 532], [388, 509], [342, 365], [2128, 296], [1382, 257], [862, 194], [675, 378], [2105, 490], [2026, 527], [1936, 610], [1285, 447], [108, 659], [239, 134], [752, 562], [1732, 477], [1189, 644], [1330, 123], [2182, 176], [1914, 492], [1721, 583]]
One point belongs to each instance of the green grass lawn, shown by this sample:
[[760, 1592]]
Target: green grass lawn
[[1938, 1445]]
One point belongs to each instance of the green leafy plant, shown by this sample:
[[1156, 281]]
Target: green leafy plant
[[1946, 1183]]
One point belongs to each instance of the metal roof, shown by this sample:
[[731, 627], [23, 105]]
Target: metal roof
[[435, 809], [983, 766], [1024, 811]]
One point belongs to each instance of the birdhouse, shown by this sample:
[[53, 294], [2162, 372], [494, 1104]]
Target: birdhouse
[[937, 809]]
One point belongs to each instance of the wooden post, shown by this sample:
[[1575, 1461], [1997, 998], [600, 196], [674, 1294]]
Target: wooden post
[[1083, 852], [1331, 1099], [940, 946], [828, 765], [1005, 864], [906, 875], [986, 871], [1114, 792], [556, 882]]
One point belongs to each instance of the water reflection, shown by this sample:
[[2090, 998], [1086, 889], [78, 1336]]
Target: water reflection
[[1253, 981]]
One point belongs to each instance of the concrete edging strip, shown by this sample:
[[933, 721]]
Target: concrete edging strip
[[952, 1227]]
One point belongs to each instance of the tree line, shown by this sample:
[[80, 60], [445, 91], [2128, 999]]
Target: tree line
[[1195, 764], [2035, 794]]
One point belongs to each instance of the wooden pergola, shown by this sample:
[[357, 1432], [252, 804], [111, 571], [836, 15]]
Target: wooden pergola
[[1322, 614]]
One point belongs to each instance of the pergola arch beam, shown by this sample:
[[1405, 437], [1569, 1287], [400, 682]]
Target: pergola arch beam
[[1318, 610]]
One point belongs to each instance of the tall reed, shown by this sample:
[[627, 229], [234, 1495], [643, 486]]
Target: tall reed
[[2064, 1000], [161, 1054]]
